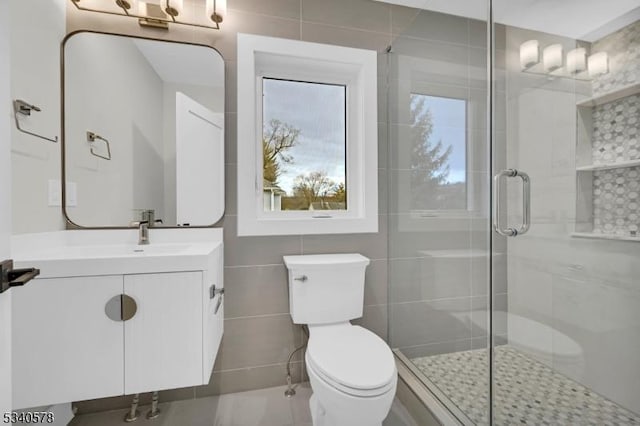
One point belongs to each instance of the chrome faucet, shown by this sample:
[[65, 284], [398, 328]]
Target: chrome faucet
[[143, 231]]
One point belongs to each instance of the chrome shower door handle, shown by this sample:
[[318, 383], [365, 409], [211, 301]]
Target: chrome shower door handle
[[526, 203]]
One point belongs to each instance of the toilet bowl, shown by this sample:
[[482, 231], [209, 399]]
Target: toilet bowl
[[352, 374], [351, 370]]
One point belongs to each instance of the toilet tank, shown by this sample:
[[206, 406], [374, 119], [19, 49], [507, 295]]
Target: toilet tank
[[326, 288]]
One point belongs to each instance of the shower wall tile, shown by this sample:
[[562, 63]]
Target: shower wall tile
[[616, 131], [429, 25], [429, 278], [437, 348], [421, 323], [434, 61], [616, 202], [623, 48]]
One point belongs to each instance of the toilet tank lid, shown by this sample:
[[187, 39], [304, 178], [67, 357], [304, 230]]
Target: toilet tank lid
[[325, 259]]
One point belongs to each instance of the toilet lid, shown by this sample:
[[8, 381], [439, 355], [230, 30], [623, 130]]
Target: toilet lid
[[352, 356]]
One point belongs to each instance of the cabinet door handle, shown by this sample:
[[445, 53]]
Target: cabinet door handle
[[121, 308], [129, 307], [213, 291]]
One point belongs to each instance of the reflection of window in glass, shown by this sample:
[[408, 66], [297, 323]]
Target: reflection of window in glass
[[303, 145], [438, 153]]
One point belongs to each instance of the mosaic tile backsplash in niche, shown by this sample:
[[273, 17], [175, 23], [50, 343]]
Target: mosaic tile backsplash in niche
[[616, 131], [616, 203]]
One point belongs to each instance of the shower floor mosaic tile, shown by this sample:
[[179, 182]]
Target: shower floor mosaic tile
[[527, 391]]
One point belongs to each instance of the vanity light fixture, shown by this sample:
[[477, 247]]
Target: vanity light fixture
[[552, 62], [159, 14]]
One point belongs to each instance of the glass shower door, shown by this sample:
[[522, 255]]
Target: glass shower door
[[439, 203], [565, 244]]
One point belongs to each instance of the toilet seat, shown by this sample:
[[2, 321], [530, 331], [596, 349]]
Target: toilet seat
[[351, 359]]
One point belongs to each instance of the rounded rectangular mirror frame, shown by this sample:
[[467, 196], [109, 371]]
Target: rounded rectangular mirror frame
[[71, 224]]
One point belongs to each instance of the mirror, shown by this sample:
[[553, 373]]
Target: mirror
[[143, 132]]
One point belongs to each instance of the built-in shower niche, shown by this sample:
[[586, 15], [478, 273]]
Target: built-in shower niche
[[608, 165]]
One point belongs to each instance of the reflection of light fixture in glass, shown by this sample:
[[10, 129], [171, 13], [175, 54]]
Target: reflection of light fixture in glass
[[156, 14], [598, 64], [576, 60], [529, 53], [552, 57], [216, 10]]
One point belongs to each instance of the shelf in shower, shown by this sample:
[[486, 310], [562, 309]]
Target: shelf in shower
[[614, 95], [593, 235], [609, 166]]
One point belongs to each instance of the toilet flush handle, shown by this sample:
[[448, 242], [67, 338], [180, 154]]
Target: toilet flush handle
[[302, 278]]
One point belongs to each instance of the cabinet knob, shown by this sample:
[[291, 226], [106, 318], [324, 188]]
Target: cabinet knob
[[121, 308]]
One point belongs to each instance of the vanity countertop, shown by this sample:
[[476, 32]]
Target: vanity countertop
[[114, 252]]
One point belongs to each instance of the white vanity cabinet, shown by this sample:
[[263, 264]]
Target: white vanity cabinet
[[71, 345], [66, 347], [163, 341]]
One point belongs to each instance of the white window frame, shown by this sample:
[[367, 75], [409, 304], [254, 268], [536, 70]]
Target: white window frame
[[267, 57]]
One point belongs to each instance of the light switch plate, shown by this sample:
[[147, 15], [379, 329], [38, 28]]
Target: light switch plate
[[55, 193]]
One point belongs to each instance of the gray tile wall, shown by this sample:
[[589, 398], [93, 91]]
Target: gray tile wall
[[439, 266], [259, 334]]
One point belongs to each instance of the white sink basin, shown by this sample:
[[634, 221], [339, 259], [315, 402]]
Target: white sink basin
[[114, 252]]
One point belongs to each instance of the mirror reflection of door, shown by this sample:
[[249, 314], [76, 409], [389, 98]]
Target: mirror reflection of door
[[199, 138]]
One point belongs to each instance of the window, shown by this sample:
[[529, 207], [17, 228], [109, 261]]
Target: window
[[307, 138], [303, 145], [438, 153]]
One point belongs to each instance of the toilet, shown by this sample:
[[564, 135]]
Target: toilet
[[352, 371]]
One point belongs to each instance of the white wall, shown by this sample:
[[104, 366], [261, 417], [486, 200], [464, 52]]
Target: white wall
[[5, 211], [37, 28], [113, 91], [585, 291]]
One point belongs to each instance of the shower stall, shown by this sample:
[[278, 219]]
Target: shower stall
[[513, 171]]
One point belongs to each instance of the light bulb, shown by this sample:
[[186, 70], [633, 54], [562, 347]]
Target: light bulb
[[529, 53], [577, 60], [552, 57], [598, 64]]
